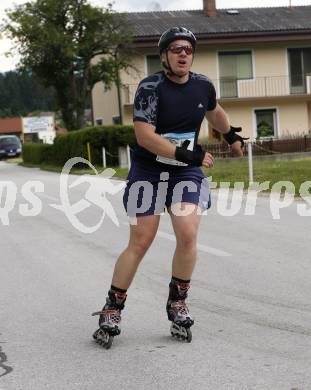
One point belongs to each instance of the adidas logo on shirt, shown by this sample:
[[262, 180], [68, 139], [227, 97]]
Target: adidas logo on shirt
[[200, 105]]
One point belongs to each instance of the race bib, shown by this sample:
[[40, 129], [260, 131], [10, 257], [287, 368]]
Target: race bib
[[177, 139]]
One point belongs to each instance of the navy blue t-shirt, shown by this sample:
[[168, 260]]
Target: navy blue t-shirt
[[176, 110]]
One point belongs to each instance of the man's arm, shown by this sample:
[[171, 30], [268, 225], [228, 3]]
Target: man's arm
[[154, 143], [219, 120]]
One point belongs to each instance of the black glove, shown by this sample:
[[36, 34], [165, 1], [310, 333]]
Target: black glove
[[194, 157], [231, 137]]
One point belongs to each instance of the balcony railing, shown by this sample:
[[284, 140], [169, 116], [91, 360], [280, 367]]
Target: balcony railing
[[258, 87], [263, 87]]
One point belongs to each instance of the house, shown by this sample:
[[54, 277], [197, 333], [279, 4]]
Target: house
[[11, 126], [259, 60], [41, 128]]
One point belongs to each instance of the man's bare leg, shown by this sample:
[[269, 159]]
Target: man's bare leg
[[141, 237], [184, 260], [186, 230]]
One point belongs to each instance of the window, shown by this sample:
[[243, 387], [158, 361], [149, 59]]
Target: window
[[116, 120], [234, 66], [299, 68], [266, 123], [153, 64], [9, 141]]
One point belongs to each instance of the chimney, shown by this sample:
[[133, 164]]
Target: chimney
[[209, 7]]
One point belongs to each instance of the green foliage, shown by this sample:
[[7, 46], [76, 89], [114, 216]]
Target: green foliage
[[74, 144], [36, 153], [58, 41], [264, 130], [22, 93]]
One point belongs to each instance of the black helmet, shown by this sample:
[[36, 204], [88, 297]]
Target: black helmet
[[175, 33]]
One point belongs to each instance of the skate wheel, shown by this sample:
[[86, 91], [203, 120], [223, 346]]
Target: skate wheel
[[103, 338], [189, 335], [95, 334], [181, 333], [108, 344]]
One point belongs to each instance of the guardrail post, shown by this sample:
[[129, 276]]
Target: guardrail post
[[250, 163], [89, 152], [104, 157], [128, 152]]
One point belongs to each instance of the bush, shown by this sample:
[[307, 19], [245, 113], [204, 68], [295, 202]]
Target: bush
[[74, 144], [37, 153]]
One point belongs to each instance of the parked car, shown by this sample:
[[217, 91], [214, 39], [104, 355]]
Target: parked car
[[10, 146]]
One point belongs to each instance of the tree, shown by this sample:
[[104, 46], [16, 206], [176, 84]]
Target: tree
[[22, 93], [70, 45]]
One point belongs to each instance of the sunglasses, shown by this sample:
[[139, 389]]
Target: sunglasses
[[177, 49]]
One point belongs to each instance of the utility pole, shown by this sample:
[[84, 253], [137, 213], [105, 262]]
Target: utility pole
[[118, 84]]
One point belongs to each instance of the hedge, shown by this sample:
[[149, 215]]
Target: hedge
[[37, 153], [74, 144]]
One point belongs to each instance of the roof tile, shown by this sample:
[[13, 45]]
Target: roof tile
[[10, 125], [270, 19]]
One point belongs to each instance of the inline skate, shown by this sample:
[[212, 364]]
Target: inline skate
[[109, 319], [178, 312]]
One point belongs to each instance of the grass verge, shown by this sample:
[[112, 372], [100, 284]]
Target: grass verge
[[294, 171]]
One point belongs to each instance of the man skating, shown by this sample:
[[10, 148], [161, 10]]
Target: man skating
[[169, 108]]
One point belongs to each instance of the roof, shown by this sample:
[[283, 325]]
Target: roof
[[10, 125], [60, 130], [272, 20]]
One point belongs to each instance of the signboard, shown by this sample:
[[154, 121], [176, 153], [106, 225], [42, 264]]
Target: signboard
[[37, 124]]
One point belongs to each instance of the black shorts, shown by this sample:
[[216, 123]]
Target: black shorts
[[152, 188]]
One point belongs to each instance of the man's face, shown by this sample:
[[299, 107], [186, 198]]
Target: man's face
[[179, 60]]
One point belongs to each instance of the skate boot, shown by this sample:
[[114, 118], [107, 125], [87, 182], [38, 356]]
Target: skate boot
[[109, 319], [178, 312]]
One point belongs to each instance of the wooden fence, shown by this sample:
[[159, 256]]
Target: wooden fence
[[265, 147]]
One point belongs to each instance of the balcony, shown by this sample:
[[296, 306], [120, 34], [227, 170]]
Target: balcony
[[259, 87]]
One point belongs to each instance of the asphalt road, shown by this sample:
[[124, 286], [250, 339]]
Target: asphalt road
[[250, 298]]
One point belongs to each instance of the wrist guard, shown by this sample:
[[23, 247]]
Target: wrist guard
[[232, 137], [194, 157]]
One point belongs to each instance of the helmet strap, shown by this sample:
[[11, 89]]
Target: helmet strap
[[168, 67]]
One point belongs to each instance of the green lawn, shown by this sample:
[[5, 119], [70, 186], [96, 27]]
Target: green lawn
[[296, 171]]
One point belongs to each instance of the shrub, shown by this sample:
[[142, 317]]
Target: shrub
[[74, 144], [37, 153]]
